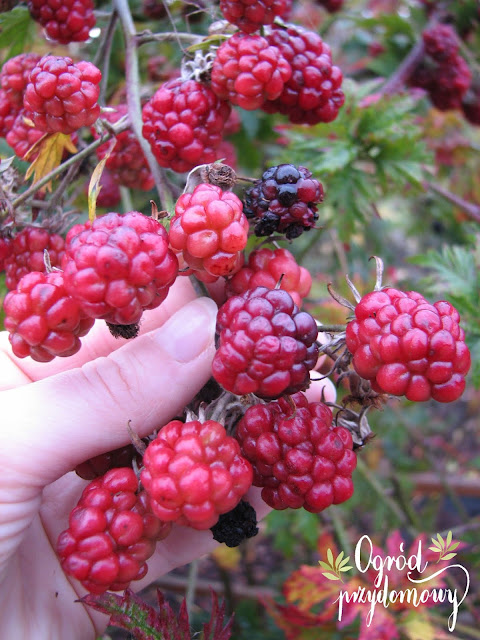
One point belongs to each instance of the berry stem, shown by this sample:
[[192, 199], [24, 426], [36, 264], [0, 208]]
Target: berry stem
[[331, 328], [167, 36], [403, 72], [133, 100], [472, 210]]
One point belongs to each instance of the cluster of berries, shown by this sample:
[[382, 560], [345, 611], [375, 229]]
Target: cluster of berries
[[64, 22], [443, 73]]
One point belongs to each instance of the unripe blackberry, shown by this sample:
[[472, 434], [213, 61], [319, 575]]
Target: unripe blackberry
[[299, 458], [22, 136], [268, 268], [250, 15], [266, 346], [112, 533], [406, 346], [62, 95], [43, 321], [27, 253], [118, 266], [126, 162], [284, 201], [8, 113], [248, 70], [183, 122], [15, 75], [313, 92], [210, 230], [193, 472], [65, 22]]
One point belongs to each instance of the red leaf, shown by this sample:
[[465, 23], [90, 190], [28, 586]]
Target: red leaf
[[217, 632]]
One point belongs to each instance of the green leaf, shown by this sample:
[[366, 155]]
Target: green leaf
[[345, 568], [330, 576], [339, 559], [453, 546], [17, 30], [449, 556], [449, 539], [330, 557]]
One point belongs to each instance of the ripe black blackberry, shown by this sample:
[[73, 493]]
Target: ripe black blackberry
[[237, 525], [285, 201]]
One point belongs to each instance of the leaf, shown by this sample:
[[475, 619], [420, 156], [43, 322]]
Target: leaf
[[6, 163], [331, 576], [94, 186], [330, 557], [17, 30], [449, 539], [50, 149], [214, 629], [449, 556], [345, 568], [339, 559]]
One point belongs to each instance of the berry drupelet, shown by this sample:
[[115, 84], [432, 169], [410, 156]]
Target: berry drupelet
[[406, 346], [284, 201], [251, 15], [299, 458], [66, 21], [266, 345]]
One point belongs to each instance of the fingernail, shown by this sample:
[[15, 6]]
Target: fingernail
[[189, 332]]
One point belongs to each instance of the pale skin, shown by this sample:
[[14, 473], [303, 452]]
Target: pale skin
[[56, 415]]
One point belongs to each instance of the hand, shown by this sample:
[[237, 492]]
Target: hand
[[56, 415]]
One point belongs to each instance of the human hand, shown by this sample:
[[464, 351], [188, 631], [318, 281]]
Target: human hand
[[57, 415]]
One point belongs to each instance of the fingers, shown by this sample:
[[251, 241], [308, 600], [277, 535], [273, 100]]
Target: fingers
[[98, 342], [52, 425]]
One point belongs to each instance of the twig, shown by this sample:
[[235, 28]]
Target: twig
[[103, 53], [133, 100], [167, 36], [403, 72], [472, 210], [191, 585]]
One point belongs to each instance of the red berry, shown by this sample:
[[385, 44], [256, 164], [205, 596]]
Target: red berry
[[210, 230], [298, 457], [266, 268], [42, 319], [471, 103], [15, 75], [126, 162], [8, 113], [23, 135], [406, 346], [111, 534], [332, 6], [154, 9], [194, 472], [266, 345], [65, 22], [27, 253], [118, 266], [250, 15], [62, 96], [284, 201], [183, 122], [441, 42], [247, 71], [109, 195], [313, 92]]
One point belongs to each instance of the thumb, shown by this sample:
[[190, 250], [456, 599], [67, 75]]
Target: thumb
[[52, 425]]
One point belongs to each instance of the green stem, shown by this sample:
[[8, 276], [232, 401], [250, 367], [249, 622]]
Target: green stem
[[331, 328], [341, 532], [133, 101], [167, 36], [191, 585]]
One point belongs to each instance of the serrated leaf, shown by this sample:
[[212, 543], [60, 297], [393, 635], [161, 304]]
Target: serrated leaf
[[449, 556], [94, 186], [16, 31], [330, 576], [214, 629], [50, 149]]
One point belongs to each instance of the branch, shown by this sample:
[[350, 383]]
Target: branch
[[134, 103], [400, 77], [472, 210], [167, 36]]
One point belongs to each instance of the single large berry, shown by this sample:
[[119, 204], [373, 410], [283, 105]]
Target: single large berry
[[118, 266], [23, 135], [250, 15], [194, 472], [112, 533], [126, 162], [298, 457], [8, 113], [27, 253], [313, 92], [43, 321], [62, 95], [285, 201], [183, 122], [210, 230], [65, 22], [406, 346], [248, 70], [268, 268], [15, 75], [266, 345]]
